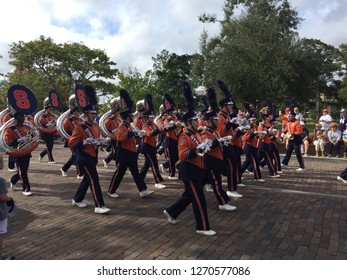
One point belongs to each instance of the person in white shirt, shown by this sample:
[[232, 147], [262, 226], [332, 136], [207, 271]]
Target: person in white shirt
[[298, 116], [334, 136], [325, 121]]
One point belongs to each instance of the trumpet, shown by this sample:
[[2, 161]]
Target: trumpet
[[225, 141], [204, 148], [96, 141], [169, 124], [137, 131], [180, 124]]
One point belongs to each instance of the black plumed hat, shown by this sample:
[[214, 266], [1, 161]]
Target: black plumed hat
[[126, 103], [168, 103], [190, 103], [212, 98], [148, 104]]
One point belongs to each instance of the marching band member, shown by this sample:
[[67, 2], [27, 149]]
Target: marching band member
[[251, 151], [159, 121], [69, 125], [191, 171], [139, 120], [11, 160], [14, 136], [225, 128], [48, 120], [148, 146], [85, 140], [273, 146], [126, 156], [111, 124], [238, 151], [172, 132], [214, 162], [294, 129], [264, 147]]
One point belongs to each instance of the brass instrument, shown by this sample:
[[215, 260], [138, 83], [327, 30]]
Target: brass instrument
[[31, 142], [137, 131], [102, 122], [225, 141], [51, 127], [60, 124], [3, 113], [204, 147]]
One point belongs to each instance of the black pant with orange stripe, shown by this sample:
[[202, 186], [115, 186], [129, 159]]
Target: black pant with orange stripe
[[193, 194], [171, 152], [90, 179], [151, 161], [22, 164], [251, 162], [215, 178], [118, 175], [48, 138]]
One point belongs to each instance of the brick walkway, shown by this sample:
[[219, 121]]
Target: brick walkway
[[301, 215]]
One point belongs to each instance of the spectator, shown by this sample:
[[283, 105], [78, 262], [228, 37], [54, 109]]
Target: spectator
[[298, 116], [334, 137], [344, 139], [305, 139], [319, 139], [343, 120], [5, 201], [325, 121]]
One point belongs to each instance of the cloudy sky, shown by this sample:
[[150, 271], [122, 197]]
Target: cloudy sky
[[133, 31]]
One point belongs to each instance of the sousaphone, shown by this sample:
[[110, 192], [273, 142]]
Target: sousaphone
[[22, 100]]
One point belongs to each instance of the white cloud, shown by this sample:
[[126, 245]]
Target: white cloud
[[133, 31]]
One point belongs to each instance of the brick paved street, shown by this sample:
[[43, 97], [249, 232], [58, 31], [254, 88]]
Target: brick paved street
[[301, 215]]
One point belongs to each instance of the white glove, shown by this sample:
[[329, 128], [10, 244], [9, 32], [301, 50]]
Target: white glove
[[22, 139], [50, 124], [101, 140], [88, 141], [201, 146], [114, 131], [201, 128], [108, 139], [207, 149], [142, 133], [234, 120]]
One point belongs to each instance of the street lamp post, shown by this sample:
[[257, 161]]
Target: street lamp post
[[75, 77]]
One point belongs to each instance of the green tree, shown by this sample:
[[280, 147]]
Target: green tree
[[54, 65], [137, 85], [253, 53], [316, 66], [343, 62], [169, 70]]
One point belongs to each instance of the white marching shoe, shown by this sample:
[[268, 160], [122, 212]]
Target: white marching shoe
[[169, 218], [101, 210], [79, 204], [234, 194], [159, 186], [227, 207], [146, 193], [206, 232]]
